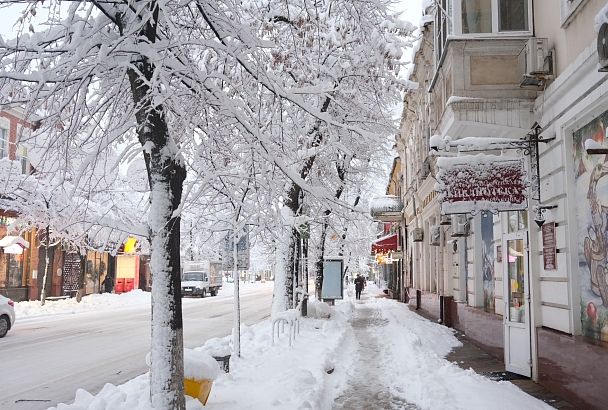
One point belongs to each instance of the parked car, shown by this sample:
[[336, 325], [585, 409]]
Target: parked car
[[7, 315]]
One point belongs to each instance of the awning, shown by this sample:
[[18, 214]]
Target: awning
[[385, 244], [14, 244]]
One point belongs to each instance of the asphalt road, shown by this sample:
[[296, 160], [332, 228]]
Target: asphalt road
[[44, 360]]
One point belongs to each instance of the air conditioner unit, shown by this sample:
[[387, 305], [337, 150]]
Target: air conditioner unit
[[602, 48], [435, 236], [445, 220], [537, 63], [417, 235], [460, 226]]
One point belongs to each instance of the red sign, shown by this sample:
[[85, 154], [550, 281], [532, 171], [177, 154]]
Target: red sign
[[473, 183], [549, 246]]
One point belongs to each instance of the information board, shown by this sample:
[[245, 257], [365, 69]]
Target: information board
[[332, 279]]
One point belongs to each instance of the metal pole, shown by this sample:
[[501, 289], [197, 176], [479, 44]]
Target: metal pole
[[237, 302]]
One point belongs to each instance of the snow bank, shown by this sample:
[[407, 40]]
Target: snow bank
[[111, 301], [319, 366], [319, 310], [93, 302], [199, 365], [304, 376], [418, 348]]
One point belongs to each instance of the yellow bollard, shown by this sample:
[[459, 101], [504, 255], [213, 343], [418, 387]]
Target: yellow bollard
[[199, 389]]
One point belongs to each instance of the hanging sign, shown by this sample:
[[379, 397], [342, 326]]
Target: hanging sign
[[475, 183], [549, 246]]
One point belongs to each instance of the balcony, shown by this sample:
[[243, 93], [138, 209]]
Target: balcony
[[476, 90]]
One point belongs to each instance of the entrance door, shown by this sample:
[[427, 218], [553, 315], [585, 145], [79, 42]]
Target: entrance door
[[517, 304]]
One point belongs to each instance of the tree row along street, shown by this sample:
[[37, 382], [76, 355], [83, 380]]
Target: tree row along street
[[54, 355]]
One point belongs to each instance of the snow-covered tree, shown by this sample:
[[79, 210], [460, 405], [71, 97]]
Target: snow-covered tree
[[161, 79]]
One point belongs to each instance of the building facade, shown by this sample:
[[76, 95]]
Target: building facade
[[534, 296]]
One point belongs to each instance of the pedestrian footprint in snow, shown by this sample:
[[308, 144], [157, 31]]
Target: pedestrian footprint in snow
[[359, 285]]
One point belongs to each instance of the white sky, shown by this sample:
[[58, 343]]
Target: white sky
[[8, 16]]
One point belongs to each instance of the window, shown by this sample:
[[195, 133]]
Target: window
[[513, 15], [3, 143], [476, 16], [22, 158], [443, 25], [492, 17], [517, 220]]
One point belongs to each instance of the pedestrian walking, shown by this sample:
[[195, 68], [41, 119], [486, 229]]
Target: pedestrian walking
[[108, 284], [359, 285]]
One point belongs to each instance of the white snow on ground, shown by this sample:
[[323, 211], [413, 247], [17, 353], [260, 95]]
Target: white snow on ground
[[325, 362], [111, 301]]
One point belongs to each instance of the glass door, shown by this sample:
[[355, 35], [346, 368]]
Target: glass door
[[517, 304]]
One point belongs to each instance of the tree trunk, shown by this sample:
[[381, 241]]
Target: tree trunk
[[83, 266], [166, 174], [320, 257], [46, 267], [283, 276], [284, 268]]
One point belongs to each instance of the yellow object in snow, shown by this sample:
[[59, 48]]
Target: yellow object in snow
[[199, 389]]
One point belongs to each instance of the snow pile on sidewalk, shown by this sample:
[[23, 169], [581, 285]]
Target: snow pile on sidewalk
[[421, 375], [110, 301], [265, 377], [407, 354]]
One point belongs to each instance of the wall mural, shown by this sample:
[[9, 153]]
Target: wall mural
[[487, 264], [591, 182]]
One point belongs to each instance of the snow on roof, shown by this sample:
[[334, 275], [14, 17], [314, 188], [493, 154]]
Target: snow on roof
[[473, 143], [385, 203], [426, 19], [14, 240]]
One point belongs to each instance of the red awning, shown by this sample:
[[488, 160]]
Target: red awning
[[385, 244]]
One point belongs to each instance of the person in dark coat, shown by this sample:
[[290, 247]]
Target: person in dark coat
[[108, 284], [359, 285]]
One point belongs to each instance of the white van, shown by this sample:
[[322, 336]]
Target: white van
[[200, 278]]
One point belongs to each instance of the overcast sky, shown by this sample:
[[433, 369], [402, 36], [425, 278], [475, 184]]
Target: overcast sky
[[9, 16]]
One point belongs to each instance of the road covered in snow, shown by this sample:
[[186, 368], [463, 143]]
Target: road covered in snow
[[372, 353], [55, 349]]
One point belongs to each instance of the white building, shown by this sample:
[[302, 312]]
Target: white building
[[494, 68]]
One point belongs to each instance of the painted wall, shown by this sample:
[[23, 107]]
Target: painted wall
[[567, 40]]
